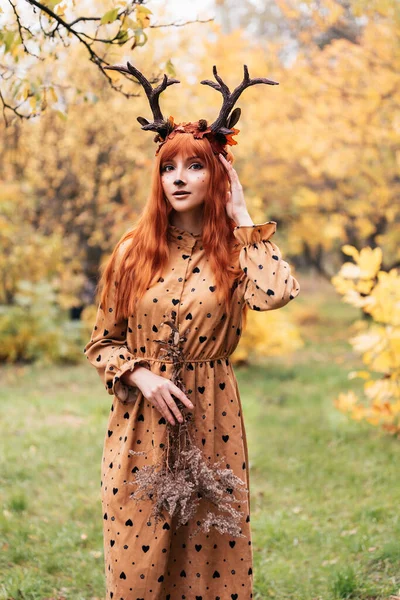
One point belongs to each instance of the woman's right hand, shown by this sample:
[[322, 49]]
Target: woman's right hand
[[158, 391]]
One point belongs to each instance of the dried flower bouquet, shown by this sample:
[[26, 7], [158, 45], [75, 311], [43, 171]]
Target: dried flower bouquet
[[182, 477]]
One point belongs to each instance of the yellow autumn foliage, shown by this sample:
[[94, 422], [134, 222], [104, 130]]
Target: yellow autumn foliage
[[31, 254], [377, 293], [267, 333], [319, 154]]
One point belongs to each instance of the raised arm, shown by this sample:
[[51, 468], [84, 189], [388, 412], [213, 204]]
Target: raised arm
[[269, 284]]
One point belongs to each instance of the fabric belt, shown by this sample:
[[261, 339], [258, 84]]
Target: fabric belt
[[188, 360]]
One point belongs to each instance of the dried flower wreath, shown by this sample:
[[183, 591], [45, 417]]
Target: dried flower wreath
[[219, 133]]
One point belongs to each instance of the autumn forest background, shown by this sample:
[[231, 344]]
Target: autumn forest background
[[320, 378]]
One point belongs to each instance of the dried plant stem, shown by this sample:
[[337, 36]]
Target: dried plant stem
[[181, 477]]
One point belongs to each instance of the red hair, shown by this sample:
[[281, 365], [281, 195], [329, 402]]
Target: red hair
[[142, 252]]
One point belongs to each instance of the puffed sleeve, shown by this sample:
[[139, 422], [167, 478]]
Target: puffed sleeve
[[269, 283], [108, 352]]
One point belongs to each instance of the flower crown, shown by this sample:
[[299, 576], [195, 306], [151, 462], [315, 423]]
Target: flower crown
[[218, 133]]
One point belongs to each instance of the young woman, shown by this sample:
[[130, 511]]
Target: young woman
[[194, 258]]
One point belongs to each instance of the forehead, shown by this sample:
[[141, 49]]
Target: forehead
[[182, 156]]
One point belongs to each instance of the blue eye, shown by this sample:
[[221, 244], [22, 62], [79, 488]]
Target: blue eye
[[165, 168]]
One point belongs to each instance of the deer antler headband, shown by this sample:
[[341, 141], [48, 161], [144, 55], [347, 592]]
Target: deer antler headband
[[218, 133]]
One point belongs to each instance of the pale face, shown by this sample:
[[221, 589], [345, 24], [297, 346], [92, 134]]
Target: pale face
[[185, 174]]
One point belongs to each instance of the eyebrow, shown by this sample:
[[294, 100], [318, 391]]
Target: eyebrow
[[188, 158]]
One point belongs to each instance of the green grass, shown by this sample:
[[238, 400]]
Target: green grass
[[324, 489]]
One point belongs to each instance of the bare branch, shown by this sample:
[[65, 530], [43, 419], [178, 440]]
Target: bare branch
[[59, 23], [15, 110], [94, 57], [20, 28], [180, 24]]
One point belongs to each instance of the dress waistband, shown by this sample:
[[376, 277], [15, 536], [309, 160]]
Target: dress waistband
[[188, 360]]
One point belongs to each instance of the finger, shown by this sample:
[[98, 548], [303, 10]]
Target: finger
[[179, 394], [233, 175], [231, 170], [172, 406], [225, 162], [167, 413], [163, 408]]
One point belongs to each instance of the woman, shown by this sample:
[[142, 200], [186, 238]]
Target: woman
[[197, 260]]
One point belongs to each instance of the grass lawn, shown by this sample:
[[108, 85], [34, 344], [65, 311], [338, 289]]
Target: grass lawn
[[325, 491]]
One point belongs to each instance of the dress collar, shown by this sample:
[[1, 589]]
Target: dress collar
[[182, 237]]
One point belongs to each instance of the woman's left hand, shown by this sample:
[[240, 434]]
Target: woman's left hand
[[236, 205]]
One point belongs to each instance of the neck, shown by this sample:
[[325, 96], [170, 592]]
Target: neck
[[191, 223]]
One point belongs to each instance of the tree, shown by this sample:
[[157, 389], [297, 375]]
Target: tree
[[40, 32]]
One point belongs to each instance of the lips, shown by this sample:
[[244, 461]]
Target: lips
[[180, 193]]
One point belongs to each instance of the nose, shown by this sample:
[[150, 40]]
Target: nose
[[179, 175]]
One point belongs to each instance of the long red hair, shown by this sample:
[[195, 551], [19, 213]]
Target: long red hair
[[145, 249]]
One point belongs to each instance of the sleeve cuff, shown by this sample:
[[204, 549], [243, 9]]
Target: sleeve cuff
[[250, 234], [120, 389]]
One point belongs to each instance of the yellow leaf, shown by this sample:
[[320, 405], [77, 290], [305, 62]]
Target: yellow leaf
[[144, 10], [362, 374], [122, 36], [384, 303], [350, 251], [128, 22], [142, 16], [370, 261], [346, 402], [109, 17], [169, 67], [24, 91], [60, 9], [53, 94], [63, 116], [341, 284], [51, 3], [364, 286]]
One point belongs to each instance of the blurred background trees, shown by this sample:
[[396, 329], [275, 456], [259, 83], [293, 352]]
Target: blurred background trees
[[319, 153]]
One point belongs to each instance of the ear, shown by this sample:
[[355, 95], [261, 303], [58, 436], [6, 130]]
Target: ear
[[234, 118]]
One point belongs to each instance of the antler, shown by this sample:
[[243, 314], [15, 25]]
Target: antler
[[222, 124], [159, 124]]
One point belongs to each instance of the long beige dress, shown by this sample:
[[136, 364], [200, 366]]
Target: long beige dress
[[141, 564]]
